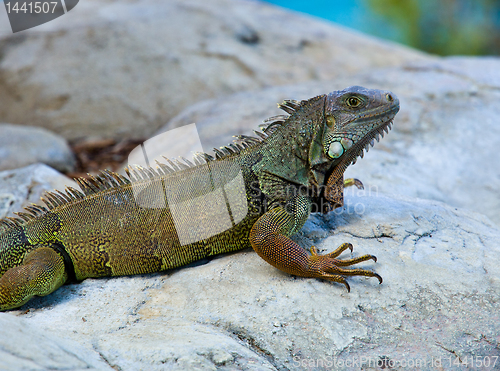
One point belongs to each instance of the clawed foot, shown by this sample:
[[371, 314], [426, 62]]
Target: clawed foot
[[328, 268]]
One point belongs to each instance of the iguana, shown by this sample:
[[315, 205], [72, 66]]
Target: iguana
[[171, 215]]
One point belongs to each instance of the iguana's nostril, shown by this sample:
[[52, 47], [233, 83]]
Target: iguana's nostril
[[389, 97]]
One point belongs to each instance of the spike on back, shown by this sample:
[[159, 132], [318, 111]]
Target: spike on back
[[289, 105], [105, 180]]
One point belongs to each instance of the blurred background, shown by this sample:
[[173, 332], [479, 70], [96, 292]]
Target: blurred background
[[444, 27]]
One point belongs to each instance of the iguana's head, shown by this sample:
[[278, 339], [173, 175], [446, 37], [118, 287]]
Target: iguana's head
[[353, 119]]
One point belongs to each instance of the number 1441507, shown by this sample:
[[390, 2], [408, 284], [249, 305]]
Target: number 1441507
[[36, 7]]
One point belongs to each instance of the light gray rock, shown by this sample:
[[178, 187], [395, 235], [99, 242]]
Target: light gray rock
[[25, 145], [22, 348], [439, 300], [21, 187], [122, 69], [444, 144], [178, 345]]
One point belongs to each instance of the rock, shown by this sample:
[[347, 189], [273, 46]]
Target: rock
[[122, 69], [27, 348], [21, 187], [444, 144], [25, 145], [189, 346], [439, 300]]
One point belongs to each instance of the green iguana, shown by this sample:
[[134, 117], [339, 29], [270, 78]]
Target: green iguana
[[172, 215]]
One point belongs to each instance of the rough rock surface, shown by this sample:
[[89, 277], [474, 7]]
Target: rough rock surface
[[444, 144], [122, 69], [26, 348], [25, 145], [439, 300]]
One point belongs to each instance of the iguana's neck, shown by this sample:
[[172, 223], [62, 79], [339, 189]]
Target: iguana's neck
[[287, 151]]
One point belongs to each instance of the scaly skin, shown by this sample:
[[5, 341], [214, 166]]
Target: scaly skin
[[262, 188]]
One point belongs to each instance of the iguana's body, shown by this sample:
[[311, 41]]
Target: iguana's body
[[114, 229]]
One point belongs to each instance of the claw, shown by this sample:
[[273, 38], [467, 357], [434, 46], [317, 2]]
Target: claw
[[347, 286]]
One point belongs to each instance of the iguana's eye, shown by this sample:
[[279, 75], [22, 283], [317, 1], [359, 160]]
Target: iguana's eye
[[353, 101]]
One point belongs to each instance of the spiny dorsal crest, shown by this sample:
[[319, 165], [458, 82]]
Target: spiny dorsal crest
[[105, 180]]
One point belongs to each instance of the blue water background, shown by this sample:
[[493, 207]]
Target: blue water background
[[350, 13], [467, 27]]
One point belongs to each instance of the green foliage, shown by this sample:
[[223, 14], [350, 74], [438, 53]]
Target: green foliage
[[467, 27]]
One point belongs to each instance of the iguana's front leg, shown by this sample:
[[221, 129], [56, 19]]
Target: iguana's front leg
[[269, 237], [41, 273]]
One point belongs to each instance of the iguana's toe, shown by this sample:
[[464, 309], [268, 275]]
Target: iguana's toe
[[353, 182]]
